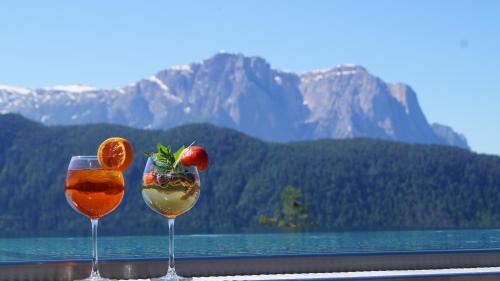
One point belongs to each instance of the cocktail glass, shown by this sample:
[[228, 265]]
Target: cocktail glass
[[93, 192], [170, 194]]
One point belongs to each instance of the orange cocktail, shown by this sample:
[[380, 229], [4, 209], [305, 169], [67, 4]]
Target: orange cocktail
[[94, 186], [94, 192]]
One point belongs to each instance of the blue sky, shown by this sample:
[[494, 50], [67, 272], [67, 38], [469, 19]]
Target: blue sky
[[448, 51]]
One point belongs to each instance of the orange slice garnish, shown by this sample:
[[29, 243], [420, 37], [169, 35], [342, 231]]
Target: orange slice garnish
[[115, 154]]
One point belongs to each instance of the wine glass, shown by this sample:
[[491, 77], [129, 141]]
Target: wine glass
[[170, 194], [93, 192]]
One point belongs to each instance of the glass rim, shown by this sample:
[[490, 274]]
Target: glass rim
[[84, 157]]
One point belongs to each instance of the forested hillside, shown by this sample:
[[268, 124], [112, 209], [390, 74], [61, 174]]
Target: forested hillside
[[349, 184]]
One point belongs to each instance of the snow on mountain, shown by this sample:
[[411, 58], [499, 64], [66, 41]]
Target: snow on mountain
[[14, 89], [183, 67], [160, 83], [71, 88], [246, 94]]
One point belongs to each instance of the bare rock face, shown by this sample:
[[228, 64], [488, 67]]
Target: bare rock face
[[237, 92], [347, 102], [450, 137], [244, 93]]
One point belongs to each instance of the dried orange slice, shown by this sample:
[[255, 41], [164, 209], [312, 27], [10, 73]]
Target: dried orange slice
[[115, 154]]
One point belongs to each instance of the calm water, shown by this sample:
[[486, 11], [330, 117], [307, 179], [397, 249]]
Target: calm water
[[23, 249]]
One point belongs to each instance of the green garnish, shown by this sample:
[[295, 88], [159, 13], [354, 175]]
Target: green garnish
[[164, 161]]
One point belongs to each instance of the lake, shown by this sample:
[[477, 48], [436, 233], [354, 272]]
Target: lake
[[122, 247]]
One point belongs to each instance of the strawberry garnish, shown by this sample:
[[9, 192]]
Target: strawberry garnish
[[194, 156]]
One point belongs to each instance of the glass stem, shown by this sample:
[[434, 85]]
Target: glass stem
[[171, 261], [95, 269]]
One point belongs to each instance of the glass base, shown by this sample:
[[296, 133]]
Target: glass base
[[170, 277], [95, 278]]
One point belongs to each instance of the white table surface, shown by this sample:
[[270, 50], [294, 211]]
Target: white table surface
[[344, 275]]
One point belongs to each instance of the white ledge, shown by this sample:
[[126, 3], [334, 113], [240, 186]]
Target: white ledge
[[372, 275]]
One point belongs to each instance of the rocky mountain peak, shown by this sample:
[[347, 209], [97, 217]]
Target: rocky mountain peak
[[247, 94]]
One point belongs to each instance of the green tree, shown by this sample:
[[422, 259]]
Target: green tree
[[294, 212]]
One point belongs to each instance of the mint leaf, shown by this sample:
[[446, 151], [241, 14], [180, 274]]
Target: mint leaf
[[161, 156], [164, 161], [178, 153], [159, 147], [163, 150]]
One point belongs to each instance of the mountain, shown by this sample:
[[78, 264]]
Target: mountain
[[451, 137], [348, 102], [353, 184], [244, 93]]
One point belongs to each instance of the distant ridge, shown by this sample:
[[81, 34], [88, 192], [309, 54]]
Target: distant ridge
[[244, 93]]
